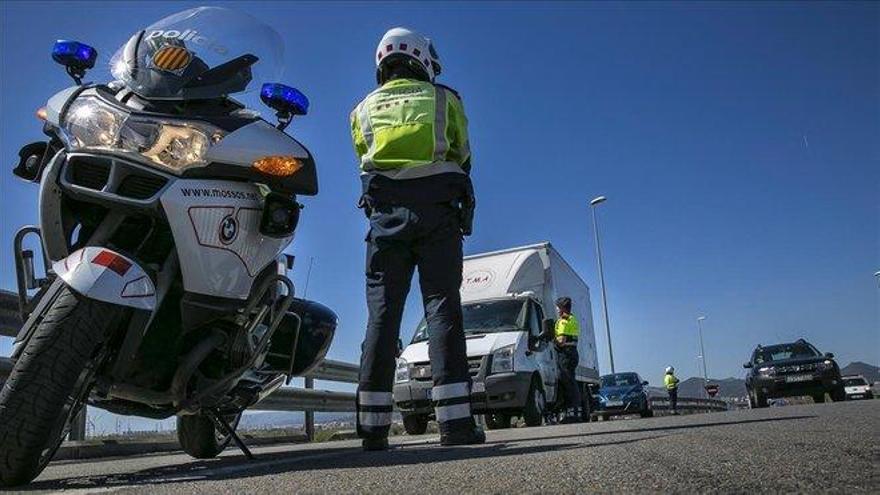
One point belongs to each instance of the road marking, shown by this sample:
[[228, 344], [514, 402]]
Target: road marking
[[422, 441]]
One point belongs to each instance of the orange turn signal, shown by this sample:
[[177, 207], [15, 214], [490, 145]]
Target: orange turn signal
[[280, 166], [41, 114]]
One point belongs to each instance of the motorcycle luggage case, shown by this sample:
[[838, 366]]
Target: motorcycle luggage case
[[296, 353]]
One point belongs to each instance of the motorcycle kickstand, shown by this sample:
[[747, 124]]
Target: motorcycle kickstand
[[221, 423]]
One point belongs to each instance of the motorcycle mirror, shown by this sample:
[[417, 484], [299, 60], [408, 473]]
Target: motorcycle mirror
[[829, 355], [285, 100], [76, 57]]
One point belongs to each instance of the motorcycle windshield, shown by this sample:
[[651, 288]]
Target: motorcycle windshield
[[201, 53]]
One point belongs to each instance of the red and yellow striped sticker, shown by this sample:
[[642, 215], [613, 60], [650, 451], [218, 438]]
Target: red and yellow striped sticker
[[172, 58]]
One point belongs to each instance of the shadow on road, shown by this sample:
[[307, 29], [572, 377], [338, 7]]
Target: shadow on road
[[655, 429], [236, 467]]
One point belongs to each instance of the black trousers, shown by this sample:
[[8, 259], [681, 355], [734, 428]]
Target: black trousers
[[413, 225], [673, 398], [567, 359]]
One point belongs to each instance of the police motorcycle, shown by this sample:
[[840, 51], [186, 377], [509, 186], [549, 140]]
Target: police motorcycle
[[164, 208]]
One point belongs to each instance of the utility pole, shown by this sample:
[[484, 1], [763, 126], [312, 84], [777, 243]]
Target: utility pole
[[700, 320], [308, 382], [308, 276], [596, 201]]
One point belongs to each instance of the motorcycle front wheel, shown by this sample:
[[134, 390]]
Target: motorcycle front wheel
[[50, 382]]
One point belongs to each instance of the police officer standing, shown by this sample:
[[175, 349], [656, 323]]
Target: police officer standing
[[410, 135], [567, 331], [671, 383]]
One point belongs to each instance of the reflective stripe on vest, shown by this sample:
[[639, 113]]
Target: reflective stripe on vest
[[363, 116], [441, 145]]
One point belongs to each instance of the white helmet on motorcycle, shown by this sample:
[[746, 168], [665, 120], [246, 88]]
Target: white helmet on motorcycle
[[404, 45], [670, 370]]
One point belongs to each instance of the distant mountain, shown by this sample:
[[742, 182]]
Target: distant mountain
[[871, 373]]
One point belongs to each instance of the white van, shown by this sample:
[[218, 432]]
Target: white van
[[508, 299]]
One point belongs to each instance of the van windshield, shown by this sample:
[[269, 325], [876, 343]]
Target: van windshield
[[506, 315]]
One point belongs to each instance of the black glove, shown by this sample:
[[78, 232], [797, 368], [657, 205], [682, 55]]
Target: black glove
[[364, 204], [466, 207]]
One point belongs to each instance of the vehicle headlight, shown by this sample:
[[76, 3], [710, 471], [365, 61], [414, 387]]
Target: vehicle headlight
[[502, 359], [767, 371], [92, 124], [826, 365], [402, 372]]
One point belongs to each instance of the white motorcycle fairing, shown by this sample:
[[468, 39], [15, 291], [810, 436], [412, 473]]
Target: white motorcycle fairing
[[216, 227], [105, 275]]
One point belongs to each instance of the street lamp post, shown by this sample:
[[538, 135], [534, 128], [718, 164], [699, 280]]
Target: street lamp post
[[703, 354], [596, 201]]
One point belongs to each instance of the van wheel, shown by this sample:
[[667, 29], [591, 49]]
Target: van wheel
[[536, 405], [838, 394], [819, 398], [498, 421], [415, 424]]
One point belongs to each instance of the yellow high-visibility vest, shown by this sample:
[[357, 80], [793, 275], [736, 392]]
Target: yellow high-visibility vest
[[568, 326], [408, 128]]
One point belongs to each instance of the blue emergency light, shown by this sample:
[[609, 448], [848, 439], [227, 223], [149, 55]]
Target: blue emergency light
[[284, 99], [74, 54]]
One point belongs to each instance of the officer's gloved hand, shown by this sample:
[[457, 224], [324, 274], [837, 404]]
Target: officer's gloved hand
[[466, 214]]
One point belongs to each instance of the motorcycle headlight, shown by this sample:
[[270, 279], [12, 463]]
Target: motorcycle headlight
[[89, 123], [502, 359], [92, 124], [402, 372]]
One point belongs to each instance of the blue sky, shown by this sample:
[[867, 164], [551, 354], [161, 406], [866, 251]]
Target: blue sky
[[737, 144]]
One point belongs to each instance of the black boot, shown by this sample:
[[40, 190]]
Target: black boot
[[463, 433], [375, 444]]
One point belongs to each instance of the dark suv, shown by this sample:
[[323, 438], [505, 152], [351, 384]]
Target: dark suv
[[795, 369]]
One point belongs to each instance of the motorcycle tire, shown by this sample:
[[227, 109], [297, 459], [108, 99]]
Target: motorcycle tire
[[49, 383]]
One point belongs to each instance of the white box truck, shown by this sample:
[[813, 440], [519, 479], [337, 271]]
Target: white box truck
[[508, 300]]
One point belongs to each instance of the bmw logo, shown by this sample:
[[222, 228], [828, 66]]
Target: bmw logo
[[228, 230]]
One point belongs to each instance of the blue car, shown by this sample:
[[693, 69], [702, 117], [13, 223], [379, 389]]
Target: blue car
[[623, 393]]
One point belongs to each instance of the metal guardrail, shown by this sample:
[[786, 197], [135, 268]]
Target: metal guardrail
[[298, 399], [336, 371]]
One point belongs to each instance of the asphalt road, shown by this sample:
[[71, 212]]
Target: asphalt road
[[808, 448]]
